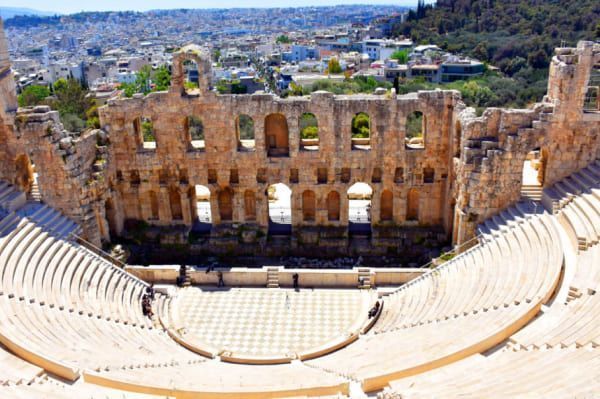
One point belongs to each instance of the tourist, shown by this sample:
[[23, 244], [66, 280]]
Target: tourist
[[221, 282], [295, 278], [374, 310], [150, 291]]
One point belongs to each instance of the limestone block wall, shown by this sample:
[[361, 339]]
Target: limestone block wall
[[495, 145], [146, 181]]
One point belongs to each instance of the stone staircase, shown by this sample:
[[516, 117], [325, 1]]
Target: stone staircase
[[364, 276], [34, 193], [531, 192], [272, 277], [573, 294]]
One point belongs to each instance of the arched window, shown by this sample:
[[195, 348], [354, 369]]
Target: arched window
[[279, 200], [309, 132], [153, 205], [191, 82], [195, 132], [308, 206], [277, 136], [412, 205], [225, 200], [387, 205], [175, 201], [145, 129], [361, 131], [245, 133], [415, 130], [250, 205], [333, 206]]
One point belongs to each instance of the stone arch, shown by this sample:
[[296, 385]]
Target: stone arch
[[309, 206], [194, 128], [145, 133], [225, 201], [333, 206], [195, 54], [412, 204], [277, 135], [191, 72], [23, 173], [361, 131], [244, 127], [386, 211], [360, 196], [175, 202], [415, 130], [250, 205], [111, 216], [309, 132], [154, 215]]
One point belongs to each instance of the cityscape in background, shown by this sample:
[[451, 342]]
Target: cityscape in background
[[276, 50]]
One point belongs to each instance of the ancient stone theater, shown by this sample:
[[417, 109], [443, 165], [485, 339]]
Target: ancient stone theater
[[514, 313]]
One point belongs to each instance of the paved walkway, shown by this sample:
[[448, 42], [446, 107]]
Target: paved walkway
[[264, 322]]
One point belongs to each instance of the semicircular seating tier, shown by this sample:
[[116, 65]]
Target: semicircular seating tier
[[503, 309], [557, 354]]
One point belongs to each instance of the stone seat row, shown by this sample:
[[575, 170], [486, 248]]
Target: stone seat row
[[15, 370], [65, 342], [521, 263], [39, 267], [574, 322], [555, 373], [11, 199], [576, 200], [49, 388], [376, 359]]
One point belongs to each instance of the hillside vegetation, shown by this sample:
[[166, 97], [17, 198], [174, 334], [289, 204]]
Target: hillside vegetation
[[517, 36]]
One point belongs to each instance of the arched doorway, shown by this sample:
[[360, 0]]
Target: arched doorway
[[386, 211], [359, 208], [309, 206], [175, 202], [412, 205], [111, 217], [23, 173], [333, 206], [225, 201], [280, 209], [534, 170], [203, 221]]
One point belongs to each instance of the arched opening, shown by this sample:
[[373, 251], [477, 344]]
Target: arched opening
[[386, 212], [361, 131], [144, 128], [309, 205], [245, 133], [277, 136], [191, 82], [412, 205], [153, 205], [111, 217], [195, 132], [415, 130], [24, 176], [250, 205], [203, 221], [333, 206], [280, 209], [359, 208], [534, 168], [175, 202], [225, 201], [457, 138], [309, 132]]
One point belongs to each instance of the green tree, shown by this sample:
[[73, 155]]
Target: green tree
[[284, 39], [400, 55], [148, 130], [333, 66], [309, 128], [481, 51], [361, 125], [162, 78], [142, 80], [70, 98], [33, 95]]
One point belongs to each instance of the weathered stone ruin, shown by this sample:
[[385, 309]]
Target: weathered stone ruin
[[467, 168]]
